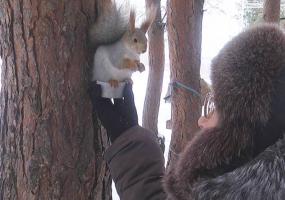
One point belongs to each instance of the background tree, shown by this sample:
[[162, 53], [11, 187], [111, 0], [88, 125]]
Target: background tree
[[156, 69], [49, 147], [252, 15], [271, 11], [262, 10], [184, 24]]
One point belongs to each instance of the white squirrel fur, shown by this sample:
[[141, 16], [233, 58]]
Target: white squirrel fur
[[116, 44], [105, 62]]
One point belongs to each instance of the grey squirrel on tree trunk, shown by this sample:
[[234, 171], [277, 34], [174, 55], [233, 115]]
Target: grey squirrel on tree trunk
[[119, 43]]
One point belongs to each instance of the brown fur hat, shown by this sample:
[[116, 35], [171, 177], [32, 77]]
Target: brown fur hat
[[245, 72]]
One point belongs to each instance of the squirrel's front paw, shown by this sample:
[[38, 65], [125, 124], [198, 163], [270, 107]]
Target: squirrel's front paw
[[114, 83], [130, 64], [141, 67]]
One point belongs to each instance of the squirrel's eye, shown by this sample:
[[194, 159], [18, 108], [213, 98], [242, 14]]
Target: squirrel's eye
[[135, 40]]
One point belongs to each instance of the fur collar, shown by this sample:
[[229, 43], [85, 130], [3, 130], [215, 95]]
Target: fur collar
[[227, 178]]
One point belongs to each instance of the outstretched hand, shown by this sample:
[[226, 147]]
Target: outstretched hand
[[116, 117]]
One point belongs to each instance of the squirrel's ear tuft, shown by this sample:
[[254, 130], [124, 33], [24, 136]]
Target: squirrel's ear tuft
[[132, 22], [150, 17]]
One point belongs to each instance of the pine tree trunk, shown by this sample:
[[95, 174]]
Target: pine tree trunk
[[271, 11], [49, 146], [184, 34], [156, 70]]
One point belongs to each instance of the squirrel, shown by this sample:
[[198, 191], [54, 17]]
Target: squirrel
[[119, 43]]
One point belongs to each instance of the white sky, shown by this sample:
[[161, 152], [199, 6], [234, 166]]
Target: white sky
[[221, 22]]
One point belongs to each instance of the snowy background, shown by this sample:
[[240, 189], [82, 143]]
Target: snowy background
[[222, 20]]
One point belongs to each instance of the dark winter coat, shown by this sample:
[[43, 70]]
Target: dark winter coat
[[136, 163]]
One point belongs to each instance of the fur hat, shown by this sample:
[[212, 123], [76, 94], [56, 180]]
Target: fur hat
[[246, 73]]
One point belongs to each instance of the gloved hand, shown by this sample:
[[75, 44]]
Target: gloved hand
[[116, 117]]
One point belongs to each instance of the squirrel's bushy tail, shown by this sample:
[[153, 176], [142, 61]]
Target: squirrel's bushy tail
[[111, 24]]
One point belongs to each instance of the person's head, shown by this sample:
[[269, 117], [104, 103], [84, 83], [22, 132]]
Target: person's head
[[248, 79]]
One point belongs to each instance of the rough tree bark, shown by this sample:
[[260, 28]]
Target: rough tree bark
[[271, 11], [49, 147], [184, 34], [156, 70]]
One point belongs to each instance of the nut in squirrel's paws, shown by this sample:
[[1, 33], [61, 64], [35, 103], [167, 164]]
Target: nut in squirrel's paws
[[114, 83], [141, 67], [131, 64]]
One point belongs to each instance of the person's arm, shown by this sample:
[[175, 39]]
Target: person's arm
[[135, 159]]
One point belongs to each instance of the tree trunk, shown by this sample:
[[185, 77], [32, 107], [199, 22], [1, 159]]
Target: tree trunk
[[156, 70], [271, 11], [49, 147], [184, 34]]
